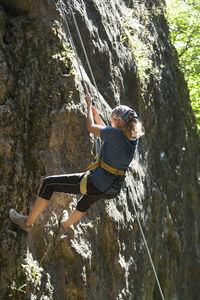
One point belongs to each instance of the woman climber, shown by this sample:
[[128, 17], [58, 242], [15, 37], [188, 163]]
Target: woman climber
[[106, 175]]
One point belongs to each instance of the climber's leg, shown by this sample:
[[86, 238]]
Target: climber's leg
[[67, 183], [60, 183], [75, 217], [39, 206], [26, 222], [84, 203]]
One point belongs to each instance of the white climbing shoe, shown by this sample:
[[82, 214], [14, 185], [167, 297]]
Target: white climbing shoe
[[19, 219]]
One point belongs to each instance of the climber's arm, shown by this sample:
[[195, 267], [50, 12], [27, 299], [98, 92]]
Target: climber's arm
[[98, 120], [92, 127]]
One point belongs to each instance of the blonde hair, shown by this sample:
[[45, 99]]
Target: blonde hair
[[132, 129], [129, 123]]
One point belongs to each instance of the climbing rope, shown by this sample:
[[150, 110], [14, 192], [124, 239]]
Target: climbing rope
[[84, 50], [145, 242], [73, 45], [62, 5]]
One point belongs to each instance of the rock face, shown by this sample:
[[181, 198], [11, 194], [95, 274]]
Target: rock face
[[43, 132]]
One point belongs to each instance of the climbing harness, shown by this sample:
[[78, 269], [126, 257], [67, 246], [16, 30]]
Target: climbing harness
[[146, 245], [99, 163]]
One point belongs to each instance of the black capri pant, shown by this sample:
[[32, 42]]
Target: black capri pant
[[70, 183]]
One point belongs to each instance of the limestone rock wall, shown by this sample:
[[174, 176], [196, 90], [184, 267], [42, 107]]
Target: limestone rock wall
[[43, 132]]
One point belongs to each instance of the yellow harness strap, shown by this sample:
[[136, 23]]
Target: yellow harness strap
[[98, 162], [111, 169], [83, 183], [95, 164]]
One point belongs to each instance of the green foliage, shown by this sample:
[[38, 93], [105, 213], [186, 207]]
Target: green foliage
[[16, 289], [137, 34], [184, 17]]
